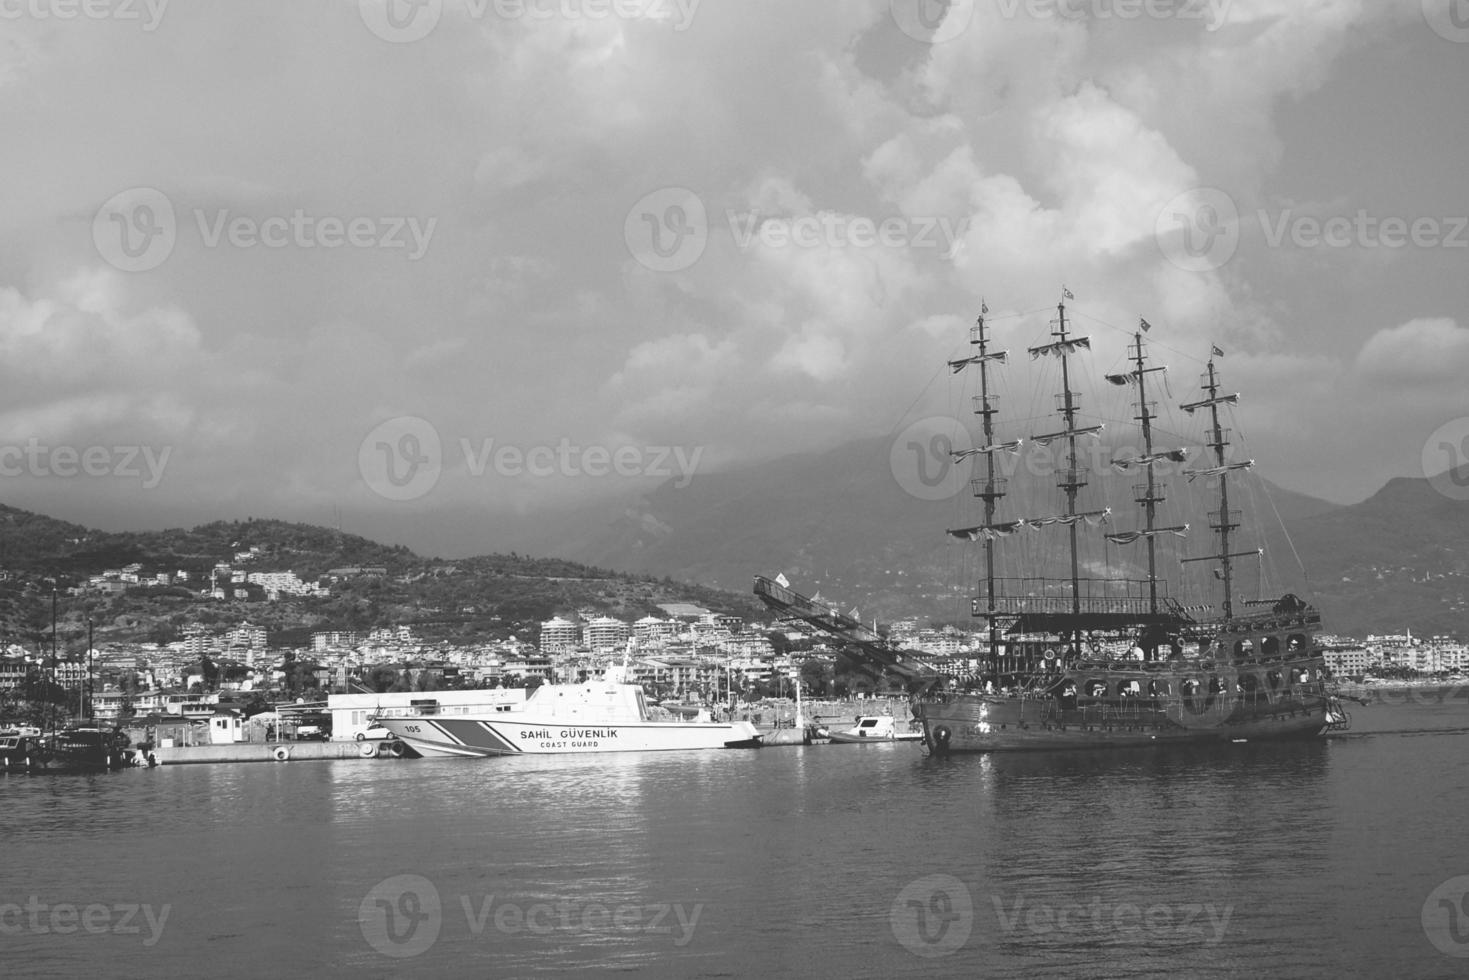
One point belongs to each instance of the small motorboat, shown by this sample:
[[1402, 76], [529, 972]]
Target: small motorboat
[[875, 728]]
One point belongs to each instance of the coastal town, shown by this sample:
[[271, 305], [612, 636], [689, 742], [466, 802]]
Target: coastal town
[[209, 684]]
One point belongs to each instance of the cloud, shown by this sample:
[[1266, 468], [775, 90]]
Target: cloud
[[1048, 145], [1423, 352]]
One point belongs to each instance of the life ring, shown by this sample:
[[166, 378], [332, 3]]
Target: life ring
[[1049, 654], [281, 754], [395, 749], [367, 750]]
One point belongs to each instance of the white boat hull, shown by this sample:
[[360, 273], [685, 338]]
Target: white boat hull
[[490, 735], [863, 739]]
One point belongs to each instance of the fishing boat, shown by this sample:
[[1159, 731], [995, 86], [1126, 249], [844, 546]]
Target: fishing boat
[[1103, 660], [1107, 659], [605, 715], [21, 750], [874, 728], [84, 748]]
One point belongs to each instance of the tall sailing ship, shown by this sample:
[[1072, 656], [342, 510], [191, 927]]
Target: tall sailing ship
[[1075, 661]]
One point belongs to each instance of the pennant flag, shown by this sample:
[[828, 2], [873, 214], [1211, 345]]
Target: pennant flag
[[1216, 351], [1144, 324], [782, 581]]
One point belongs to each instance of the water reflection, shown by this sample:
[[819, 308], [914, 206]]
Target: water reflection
[[1316, 857]]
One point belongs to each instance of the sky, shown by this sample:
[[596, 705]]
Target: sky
[[436, 267]]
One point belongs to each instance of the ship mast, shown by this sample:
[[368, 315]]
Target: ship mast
[[1150, 498], [1150, 493], [1224, 521], [992, 487], [1071, 479], [991, 490], [1072, 476]]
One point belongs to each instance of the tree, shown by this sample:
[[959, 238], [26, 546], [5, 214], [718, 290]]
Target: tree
[[816, 676], [210, 670], [382, 679]]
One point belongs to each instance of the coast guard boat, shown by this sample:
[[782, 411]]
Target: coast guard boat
[[605, 715]]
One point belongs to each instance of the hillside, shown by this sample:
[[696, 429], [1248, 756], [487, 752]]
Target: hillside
[[482, 597], [1398, 559]]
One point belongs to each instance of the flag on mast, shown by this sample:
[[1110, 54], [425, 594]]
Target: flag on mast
[[1216, 351], [983, 307], [1067, 293], [782, 581], [1144, 324]]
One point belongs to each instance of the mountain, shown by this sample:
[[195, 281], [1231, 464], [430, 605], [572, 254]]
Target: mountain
[[840, 523], [1399, 559]]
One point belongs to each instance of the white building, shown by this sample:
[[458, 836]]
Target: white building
[[605, 634], [651, 629], [557, 636]]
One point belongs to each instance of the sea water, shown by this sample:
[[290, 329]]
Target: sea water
[[1339, 857]]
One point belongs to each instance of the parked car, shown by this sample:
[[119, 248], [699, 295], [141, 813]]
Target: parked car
[[376, 731], [312, 733]]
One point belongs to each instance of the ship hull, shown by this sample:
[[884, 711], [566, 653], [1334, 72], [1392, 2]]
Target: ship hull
[[470, 736], [997, 724]]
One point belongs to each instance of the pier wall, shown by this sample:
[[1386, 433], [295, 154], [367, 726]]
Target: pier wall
[[259, 752]]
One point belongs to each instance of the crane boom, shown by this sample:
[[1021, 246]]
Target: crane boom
[[860, 644]]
